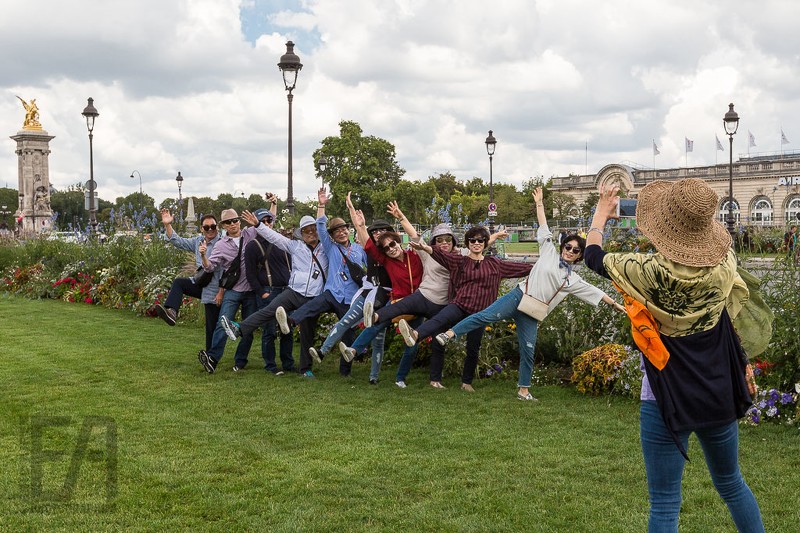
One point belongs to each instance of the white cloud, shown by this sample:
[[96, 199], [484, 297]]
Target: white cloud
[[180, 87]]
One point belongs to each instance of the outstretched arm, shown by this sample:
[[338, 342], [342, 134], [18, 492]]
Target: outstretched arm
[[322, 198], [610, 301], [273, 201], [421, 246], [538, 197], [357, 217], [606, 209], [393, 209]]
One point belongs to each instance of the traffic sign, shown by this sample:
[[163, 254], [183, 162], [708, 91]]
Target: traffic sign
[[492, 207]]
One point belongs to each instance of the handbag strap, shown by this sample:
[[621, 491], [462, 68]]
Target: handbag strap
[[410, 275], [528, 286]]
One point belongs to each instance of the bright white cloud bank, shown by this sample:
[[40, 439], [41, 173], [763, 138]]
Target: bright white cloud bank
[[181, 85]]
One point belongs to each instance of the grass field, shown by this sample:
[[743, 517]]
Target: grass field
[[108, 423]]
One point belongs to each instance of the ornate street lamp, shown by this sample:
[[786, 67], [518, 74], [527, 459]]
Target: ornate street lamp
[[90, 112], [322, 164], [290, 66], [179, 179], [731, 122], [491, 143]]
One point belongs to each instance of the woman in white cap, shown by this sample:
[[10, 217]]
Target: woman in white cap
[[695, 380]]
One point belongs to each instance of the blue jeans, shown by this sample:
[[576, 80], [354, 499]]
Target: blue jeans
[[527, 328], [268, 335], [351, 318], [664, 465], [230, 304]]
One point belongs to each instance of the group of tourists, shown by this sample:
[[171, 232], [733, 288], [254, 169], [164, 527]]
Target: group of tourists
[[683, 302], [431, 289]]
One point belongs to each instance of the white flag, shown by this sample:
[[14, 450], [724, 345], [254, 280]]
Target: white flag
[[655, 148], [689, 145], [752, 139], [784, 140], [719, 144]]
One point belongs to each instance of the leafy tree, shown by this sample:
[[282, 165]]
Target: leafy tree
[[446, 184], [589, 204], [365, 165]]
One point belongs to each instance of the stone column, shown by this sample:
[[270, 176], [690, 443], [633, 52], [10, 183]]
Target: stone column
[[33, 150]]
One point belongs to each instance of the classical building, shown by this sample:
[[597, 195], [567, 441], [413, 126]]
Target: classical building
[[766, 188]]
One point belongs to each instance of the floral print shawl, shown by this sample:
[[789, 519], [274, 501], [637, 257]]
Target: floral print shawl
[[683, 300]]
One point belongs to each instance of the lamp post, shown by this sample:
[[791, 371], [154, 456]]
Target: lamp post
[[179, 179], [491, 142], [290, 66], [90, 113], [141, 199], [731, 122], [322, 164]]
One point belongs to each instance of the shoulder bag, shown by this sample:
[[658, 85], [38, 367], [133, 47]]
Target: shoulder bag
[[533, 307]]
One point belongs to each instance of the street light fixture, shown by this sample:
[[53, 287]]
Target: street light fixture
[[491, 143], [140, 179], [731, 122], [179, 179], [322, 164], [290, 66], [90, 112]]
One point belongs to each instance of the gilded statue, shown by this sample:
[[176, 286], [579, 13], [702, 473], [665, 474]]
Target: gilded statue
[[31, 115]]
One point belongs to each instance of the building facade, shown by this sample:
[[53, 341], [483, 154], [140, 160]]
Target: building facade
[[766, 188]]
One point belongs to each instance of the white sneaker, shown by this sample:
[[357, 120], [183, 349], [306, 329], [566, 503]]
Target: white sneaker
[[315, 355], [405, 331], [400, 384], [280, 317], [369, 311], [443, 338], [348, 354]]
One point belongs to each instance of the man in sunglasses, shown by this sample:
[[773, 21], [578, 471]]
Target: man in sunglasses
[[227, 252], [168, 311], [268, 273], [340, 287], [306, 280]]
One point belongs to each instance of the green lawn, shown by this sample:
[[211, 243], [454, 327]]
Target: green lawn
[[251, 451]]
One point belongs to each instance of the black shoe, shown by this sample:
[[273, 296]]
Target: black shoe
[[373, 381], [166, 314], [275, 372], [208, 362]]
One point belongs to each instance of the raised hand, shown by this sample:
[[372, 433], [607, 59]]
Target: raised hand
[[358, 218], [322, 196], [249, 217], [393, 209], [271, 197], [607, 204], [166, 217], [349, 202], [538, 195]]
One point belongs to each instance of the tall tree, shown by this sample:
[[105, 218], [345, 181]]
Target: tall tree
[[365, 165]]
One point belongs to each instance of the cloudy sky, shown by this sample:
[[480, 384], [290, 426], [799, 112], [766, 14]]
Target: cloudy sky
[[193, 85]]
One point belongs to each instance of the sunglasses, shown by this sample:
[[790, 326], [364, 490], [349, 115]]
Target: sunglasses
[[210, 227], [389, 246], [267, 220], [476, 241], [230, 221], [309, 230], [571, 248], [441, 240]]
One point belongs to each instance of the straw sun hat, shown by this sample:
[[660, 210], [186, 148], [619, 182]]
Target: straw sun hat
[[678, 217]]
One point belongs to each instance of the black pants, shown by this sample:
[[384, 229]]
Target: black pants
[[186, 287], [326, 303], [289, 300]]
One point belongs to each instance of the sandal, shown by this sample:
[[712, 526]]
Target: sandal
[[467, 387], [437, 385], [526, 397]]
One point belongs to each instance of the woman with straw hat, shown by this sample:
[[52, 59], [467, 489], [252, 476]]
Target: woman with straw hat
[[690, 292]]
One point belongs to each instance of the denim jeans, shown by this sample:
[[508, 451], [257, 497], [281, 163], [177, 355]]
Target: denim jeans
[[664, 465], [268, 335], [230, 304], [351, 318], [527, 328]]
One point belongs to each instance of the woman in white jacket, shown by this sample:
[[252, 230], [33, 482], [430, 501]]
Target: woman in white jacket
[[550, 280]]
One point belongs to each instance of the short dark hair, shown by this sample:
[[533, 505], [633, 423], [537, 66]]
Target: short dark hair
[[206, 217], [389, 236], [581, 244], [477, 232]]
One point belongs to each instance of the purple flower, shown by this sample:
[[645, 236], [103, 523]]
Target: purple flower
[[786, 398]]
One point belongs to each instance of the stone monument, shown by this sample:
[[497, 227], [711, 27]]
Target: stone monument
[[33, 149]]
